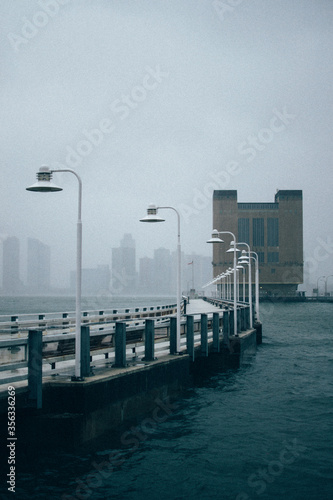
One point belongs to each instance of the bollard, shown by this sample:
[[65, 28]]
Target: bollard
[[35, 364], [120, 345], [85, 351], [204, 335], [149, 340], [216, 332], [173, 335], [190, 336], [226, 327]]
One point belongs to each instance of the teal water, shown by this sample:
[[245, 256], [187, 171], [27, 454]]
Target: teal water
[[263, 431]]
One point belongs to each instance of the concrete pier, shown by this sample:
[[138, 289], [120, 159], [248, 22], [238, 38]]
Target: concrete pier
[[75, 412]]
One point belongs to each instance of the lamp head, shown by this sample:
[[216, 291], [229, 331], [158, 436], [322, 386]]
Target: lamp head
[[44, 184], [152, 215], [232, 248], [215, 237]]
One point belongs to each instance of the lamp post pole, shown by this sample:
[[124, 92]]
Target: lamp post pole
[[256, 259], [153, 217], [320, 277], [215, 239], [250, 281], [44, 184], [329, 276]]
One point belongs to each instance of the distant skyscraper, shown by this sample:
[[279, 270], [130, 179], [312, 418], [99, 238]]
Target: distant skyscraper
[[163, 272], [123, 266], [146, 275], [38, 266], [94, 281], [197, 270], [11, 266]]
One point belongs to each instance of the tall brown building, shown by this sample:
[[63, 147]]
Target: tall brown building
[[273, 230]]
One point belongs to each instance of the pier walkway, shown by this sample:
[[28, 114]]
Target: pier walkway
[[199, 306]]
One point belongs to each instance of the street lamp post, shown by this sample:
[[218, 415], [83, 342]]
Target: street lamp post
[[44, 184], [326, 278], [320, 277], [216, 239], [153, 217], [245, 259]]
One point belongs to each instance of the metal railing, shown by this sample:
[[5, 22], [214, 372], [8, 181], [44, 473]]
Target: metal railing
[[20, 323], [57, 349]]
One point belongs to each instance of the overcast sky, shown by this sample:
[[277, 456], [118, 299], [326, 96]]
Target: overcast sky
[[162, 101]]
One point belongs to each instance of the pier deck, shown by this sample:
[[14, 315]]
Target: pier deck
[[199, 306]]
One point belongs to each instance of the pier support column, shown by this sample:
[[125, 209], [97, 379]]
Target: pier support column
[[216, 332], [173, 335], [149, 340], [35, 364], [190, 336], [85, 351], [120, 345], [204, 335]]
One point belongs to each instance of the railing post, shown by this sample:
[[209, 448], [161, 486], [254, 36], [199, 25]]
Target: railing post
[[101, 320], [85, 351], [204, 335], [247, 317], [216, 332], [149, 340], [14, 328], [190, 336], [231, 322], [173, 335], [120, 345], [35, 365], [226, 327], [242, 319], [239, 320]]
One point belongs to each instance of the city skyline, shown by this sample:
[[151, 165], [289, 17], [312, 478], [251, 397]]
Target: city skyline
[[30, 270]]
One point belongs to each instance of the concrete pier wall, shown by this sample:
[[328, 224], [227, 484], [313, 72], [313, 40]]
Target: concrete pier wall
[[77, 412]]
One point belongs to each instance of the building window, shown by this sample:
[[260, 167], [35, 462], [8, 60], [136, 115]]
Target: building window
[[261, 257], [272, 257], [273, 232], [244, 230], [258, 232], [272, 271]]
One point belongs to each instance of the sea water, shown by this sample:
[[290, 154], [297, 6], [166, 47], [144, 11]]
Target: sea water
[[263, 431]]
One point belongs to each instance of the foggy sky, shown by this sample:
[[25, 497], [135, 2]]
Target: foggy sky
[[188, 96]]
